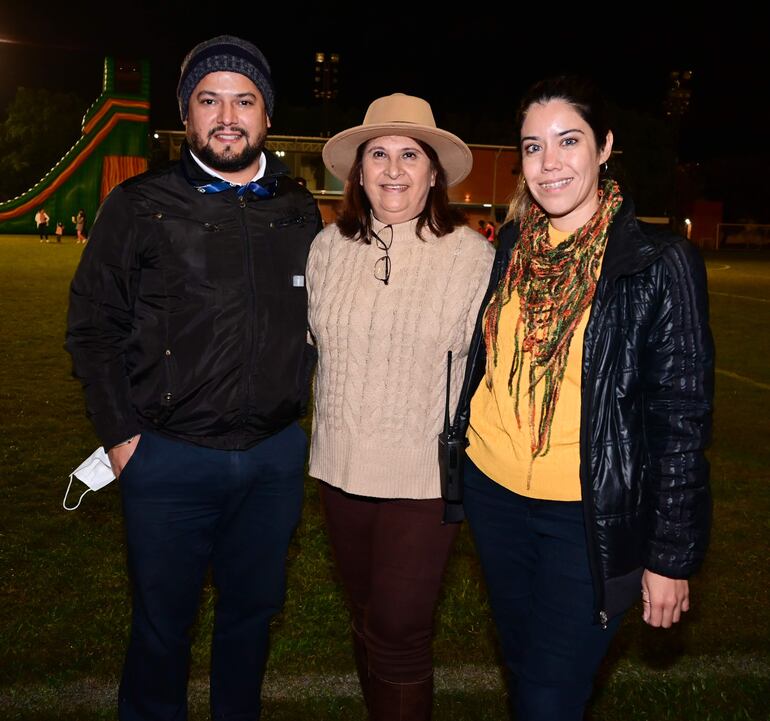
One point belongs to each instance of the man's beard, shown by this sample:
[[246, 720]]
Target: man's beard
[[226, 162]]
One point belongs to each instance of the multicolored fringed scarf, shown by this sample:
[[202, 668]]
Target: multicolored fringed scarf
[[556, 286]]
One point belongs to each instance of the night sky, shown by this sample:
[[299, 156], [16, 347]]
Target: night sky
[[477, 64]]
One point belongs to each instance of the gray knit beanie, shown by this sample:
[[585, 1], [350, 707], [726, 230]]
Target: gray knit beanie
[[224, 53]]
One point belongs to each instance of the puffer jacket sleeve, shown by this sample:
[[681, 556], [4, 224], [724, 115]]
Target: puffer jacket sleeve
[[100, 319], [678, 396]]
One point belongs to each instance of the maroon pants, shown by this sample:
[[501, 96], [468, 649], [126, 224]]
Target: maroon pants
[[391, 555]]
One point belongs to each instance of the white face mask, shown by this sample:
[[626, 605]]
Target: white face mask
[[95, 471]]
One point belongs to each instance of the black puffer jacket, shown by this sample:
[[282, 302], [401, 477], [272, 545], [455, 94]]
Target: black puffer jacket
[[647, 388], [188, 312]]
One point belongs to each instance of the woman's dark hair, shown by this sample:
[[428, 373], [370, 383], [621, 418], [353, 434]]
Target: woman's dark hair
[[355, 218], [579, 92]]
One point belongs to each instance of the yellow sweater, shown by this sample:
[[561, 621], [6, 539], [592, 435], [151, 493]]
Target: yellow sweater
[[500, 448]]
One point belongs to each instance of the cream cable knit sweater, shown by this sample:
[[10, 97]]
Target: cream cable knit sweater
[[381, 378]]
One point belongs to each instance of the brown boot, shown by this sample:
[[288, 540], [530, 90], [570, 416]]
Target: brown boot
[[362, 662], [400, 701]]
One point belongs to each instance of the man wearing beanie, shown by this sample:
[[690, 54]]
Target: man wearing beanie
[[187, 326]]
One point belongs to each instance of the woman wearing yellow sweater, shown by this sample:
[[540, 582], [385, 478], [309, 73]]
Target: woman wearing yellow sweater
[[591, 378]]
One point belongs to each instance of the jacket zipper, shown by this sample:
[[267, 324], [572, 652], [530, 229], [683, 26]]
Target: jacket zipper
[[286, 222], [251, 315], [159, 215], [585, 474]]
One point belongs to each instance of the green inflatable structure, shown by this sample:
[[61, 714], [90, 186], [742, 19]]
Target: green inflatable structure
[[114, 145]]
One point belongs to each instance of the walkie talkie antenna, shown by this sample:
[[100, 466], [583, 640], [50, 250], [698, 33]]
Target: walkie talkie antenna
[[448, 381]]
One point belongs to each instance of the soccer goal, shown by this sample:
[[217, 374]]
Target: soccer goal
[[743, 235]]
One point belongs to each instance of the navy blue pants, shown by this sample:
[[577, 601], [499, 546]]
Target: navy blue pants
[[188, 508], [535, 562]]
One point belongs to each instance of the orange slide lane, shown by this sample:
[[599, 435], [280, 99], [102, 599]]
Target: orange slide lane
[[73, 166]]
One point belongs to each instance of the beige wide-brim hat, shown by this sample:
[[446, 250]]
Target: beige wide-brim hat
[[399, 114]]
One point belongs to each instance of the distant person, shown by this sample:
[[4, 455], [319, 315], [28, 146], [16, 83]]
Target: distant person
[[393, 285], [590, 400], [187, 328], [59, 231], [41, 220], [80, 226], [483, 227], [491, 232]]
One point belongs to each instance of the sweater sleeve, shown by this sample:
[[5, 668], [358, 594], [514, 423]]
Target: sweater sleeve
[[678, 394], [480, 281], [315, 272], [100, 319]]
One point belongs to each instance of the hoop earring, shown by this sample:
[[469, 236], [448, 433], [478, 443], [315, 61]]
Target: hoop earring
[[605, 168]]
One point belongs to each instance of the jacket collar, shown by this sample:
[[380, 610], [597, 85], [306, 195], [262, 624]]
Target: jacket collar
[[195, 175], [629, 249]]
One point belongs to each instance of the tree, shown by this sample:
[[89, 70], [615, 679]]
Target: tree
[[39, 127]]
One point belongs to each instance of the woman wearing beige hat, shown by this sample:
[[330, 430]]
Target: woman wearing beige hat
[[393, 286]]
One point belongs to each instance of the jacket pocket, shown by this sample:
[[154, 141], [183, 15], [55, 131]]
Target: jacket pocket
[[166, 390], [289, 221]]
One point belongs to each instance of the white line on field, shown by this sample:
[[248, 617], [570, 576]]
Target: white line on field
[[742, 297], [751, 381], [97, 694]]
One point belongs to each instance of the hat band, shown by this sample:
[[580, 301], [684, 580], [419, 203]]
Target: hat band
[[399, 122]]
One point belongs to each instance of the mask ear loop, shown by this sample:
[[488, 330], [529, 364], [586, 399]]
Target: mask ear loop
[[66, 493]]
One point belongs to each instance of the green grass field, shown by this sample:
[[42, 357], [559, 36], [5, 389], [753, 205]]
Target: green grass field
[[63, 591]]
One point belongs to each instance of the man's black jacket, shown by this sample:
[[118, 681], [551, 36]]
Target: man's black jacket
[[647, 389], [188, 311]]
